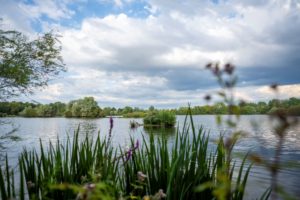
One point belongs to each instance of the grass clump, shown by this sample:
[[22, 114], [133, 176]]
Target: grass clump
[[163, 119]]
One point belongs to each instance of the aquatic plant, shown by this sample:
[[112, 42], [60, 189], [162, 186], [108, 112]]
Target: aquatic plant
[[133, 124], [179, 169], [93, 169]]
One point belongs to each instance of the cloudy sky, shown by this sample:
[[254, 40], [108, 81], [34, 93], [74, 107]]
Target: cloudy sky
[[142, 53]]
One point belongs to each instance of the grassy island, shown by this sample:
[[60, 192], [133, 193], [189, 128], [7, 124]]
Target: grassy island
[[162, 119]]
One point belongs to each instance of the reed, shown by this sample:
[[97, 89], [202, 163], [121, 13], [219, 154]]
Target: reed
[[94, 169], [184, 170]]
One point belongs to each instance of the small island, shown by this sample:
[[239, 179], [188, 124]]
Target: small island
[[163, 119]]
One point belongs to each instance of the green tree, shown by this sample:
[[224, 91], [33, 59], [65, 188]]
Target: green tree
[[59, 108], [29, 112], [248, 109], [86, 107], [26, 64], [151, 108], [127, 109], [45, 111]]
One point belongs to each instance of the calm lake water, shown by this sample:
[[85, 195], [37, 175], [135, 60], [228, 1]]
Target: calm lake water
[[260, 139]]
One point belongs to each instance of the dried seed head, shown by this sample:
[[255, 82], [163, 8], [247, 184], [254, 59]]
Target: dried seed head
[[208, 66], [216, 70], [242, 103], [274, 86], [30, 184], [207, 97], [141, 176], [161, 193], [229, 68], [90, 186]]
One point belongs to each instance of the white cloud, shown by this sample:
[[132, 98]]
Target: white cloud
[[284, 91], [124, 60], [52, 8], [14, 17]]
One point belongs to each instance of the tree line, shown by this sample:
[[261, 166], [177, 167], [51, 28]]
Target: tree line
[[291, 106], [87, 107], [82, 108]]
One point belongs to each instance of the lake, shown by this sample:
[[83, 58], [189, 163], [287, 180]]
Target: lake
[[260, 139]]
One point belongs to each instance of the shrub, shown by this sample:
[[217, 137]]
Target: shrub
[[160, 119], [135, 115]]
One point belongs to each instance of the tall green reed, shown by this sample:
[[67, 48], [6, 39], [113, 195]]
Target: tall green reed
[[76, 162], [93, 169], [179, 168]]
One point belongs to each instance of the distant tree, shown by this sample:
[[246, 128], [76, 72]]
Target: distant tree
[[220, 108], [151, 108], [26, 64], [262, 108], [248, 109], [127, 109], [136, 109], [29, 112], [59, 108], [86, 107], [45, 111]]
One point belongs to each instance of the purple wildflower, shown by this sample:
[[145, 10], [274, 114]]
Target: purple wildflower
[[137, 144], [128, 155], [111, 122], [130, 151]]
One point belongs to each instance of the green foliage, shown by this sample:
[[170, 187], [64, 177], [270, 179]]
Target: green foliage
[[127, 109], [13, 108], [290, 111], [135, 115], [26, 64], [294, 110], [29, 112], [86, 107], [160, 118]]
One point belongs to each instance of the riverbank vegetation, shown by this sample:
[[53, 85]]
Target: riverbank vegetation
[[84, 168], [89, 108]]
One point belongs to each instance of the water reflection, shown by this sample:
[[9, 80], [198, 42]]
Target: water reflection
[[88, 127], [158, 131]]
